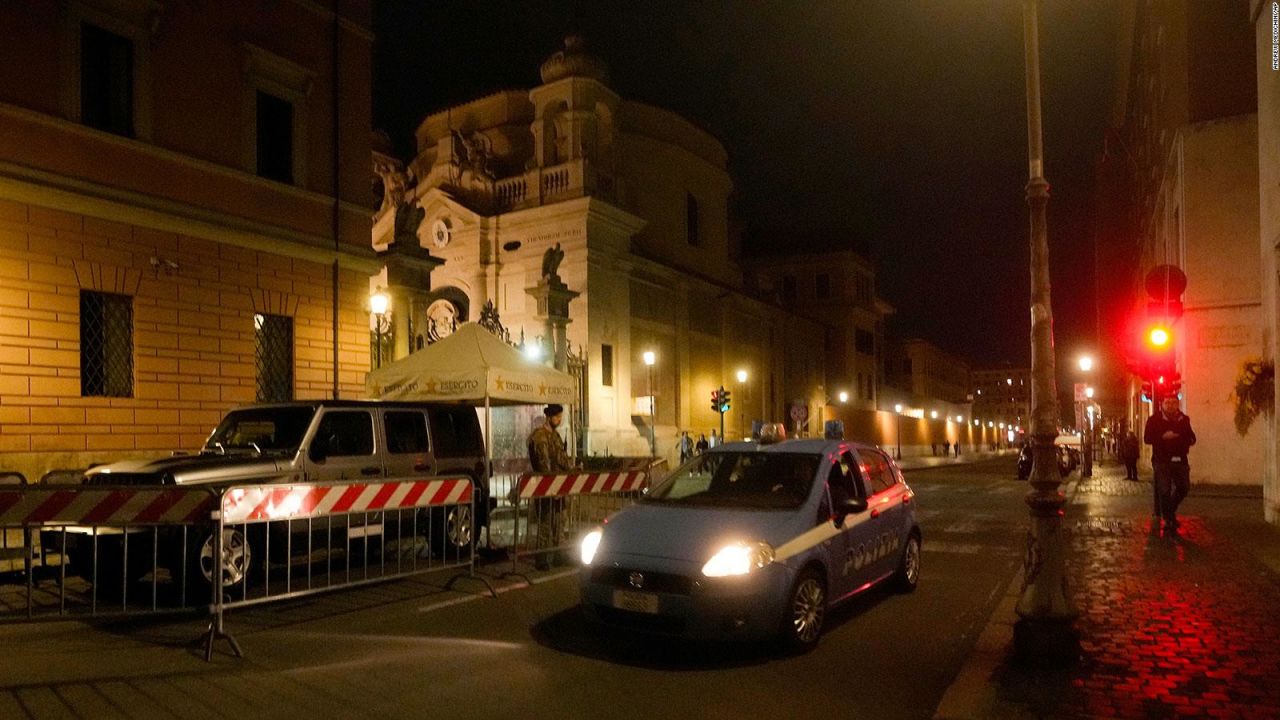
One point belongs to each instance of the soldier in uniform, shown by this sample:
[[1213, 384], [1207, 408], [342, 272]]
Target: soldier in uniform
[[547, 454]]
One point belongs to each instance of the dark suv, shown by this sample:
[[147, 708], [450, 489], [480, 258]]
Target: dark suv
[[312, 441]]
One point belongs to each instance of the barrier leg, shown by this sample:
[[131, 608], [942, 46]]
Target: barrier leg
[[471, 563], [217, 631]]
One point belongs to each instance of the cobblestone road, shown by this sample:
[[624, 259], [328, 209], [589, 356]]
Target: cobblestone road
[[1184, 625]]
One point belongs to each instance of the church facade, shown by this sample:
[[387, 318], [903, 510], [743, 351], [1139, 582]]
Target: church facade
[[628, 205]]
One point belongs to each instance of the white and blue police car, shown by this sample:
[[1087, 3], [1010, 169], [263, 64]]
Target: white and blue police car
[[754, 541]]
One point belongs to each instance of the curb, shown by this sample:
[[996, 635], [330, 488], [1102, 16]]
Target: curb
[[972, 695]]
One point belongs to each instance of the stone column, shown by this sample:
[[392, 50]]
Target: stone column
[[409, 267], [553, 298]]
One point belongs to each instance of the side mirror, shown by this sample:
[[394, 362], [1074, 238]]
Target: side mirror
[[852, 506]]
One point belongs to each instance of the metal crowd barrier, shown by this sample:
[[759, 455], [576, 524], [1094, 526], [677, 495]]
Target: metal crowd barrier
[[385, 529], [119, 550], [553, 511]]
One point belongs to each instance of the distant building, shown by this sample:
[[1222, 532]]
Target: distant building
[[636, 198], [922, 376], [172, 227], [838, 290], [1002, 394], [1181, 172]]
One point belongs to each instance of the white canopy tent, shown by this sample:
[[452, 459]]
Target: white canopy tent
[[473, 366]]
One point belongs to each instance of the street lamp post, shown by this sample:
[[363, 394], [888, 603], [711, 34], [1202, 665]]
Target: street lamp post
[[1086, 420], [379, 305], [1045, 630], [742, 402], [897, 435], [649, 360]]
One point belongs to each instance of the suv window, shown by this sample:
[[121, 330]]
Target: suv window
[[406, 431], [879, 474], [345, 433], [456, 431]]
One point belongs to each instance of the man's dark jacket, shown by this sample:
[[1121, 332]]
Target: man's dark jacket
[[1174, 450]]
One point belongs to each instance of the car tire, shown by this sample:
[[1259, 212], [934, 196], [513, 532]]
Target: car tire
[[805, 613], [239, 556], [907, 575], [453, 532]]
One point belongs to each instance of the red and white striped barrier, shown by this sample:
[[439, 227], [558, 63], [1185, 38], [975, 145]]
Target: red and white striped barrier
[[300, 501], [105, 506], [537, 486]]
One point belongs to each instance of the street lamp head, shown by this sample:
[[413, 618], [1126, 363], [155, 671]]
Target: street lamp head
[[533, 351], [379, 302], [1008, 381], [1086, 363], [650, 358], [933, 414], [742, 376], [959, 418], [844, 396], [1088, 392], [897, 408]]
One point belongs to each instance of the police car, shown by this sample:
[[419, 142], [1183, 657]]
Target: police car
[[754, 541]]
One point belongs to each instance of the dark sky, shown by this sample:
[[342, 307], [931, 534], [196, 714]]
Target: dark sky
[[901, 124]]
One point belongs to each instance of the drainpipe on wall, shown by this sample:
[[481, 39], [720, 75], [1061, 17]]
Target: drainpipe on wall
[[337, 243]]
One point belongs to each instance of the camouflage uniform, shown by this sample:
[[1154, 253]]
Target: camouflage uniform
[[547, 454]]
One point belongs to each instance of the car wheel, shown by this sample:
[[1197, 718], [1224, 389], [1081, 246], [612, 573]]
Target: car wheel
[[908, 574], [453, 531], [235, 565], [806, 612]]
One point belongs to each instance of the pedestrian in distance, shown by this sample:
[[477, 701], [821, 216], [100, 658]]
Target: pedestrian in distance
[[715, 439], [1170, 436], [957, 448], [1129, 454], [548, 455], [946, 448], [702, 445], [685, 446], [933, 448]]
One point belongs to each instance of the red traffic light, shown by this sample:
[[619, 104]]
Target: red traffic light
[[1158, 337]]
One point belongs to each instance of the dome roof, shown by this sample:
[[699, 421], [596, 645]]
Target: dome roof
[[574, 61]]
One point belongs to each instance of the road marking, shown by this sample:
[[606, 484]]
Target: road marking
[[498, 591], [968, 549]]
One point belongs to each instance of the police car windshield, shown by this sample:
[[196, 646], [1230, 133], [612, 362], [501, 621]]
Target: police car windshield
[[261, 430], [749, 480]]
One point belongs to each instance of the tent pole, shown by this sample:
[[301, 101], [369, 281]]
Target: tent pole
[[488, 458]]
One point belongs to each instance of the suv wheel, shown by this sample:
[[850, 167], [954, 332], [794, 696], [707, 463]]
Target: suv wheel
[[235, 563]]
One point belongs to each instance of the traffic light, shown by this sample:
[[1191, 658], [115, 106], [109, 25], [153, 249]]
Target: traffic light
[[1158, 367], [715, 401], [720, 400], [724, 400]]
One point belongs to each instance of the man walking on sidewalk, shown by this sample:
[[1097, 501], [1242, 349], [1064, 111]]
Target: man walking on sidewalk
[[1169, 434]]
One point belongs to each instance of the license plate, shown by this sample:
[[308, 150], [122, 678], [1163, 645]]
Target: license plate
[[635, 601]]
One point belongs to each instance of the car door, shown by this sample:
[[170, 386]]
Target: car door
[[849, 567], [885, 511], [343, 447], [408, 446]]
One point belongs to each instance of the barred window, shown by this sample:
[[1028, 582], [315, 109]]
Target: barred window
[[106, 344], [273, 356]]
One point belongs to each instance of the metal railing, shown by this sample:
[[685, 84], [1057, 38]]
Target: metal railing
[[281, 541], [552, 511], [104, 550]]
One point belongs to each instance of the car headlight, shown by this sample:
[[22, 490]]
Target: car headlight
[[738, 559], [590, 543]]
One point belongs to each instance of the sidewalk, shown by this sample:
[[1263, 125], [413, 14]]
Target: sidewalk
[[1170, 626], [926, 462]]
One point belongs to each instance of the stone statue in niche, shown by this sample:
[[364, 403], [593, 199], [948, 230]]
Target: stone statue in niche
[[395, 182], [551, 260], [408, 217]]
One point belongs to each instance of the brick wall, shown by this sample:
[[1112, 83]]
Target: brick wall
[[193, 335]]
